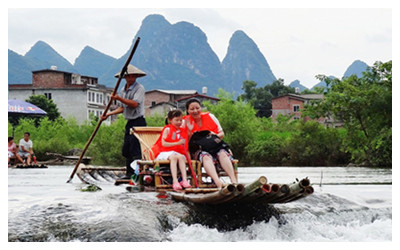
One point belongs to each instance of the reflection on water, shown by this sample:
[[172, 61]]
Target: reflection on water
[[43, 207]]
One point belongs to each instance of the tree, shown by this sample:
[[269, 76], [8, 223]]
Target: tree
[[238, 121], [278, 88], [261, 98], [365, 106], [47, 105]]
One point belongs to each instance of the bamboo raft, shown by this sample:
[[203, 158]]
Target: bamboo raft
[[257, 191], [154, 176], [28, 166]]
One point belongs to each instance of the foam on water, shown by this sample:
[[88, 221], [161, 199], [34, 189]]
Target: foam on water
[[42, 207], [319, 219]]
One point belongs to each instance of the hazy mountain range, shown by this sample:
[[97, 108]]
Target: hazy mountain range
[[174, 56]]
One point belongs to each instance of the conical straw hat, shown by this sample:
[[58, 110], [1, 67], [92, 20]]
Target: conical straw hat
[[132, 70]]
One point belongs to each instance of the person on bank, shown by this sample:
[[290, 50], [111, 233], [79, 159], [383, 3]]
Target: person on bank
[[25, 149], [196, 120], [13, 151], [131, 99], [171, 146]]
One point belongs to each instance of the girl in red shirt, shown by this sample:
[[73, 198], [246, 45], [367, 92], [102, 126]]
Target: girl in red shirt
[[171, 146]]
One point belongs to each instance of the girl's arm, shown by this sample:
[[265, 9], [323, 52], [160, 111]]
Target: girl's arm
[[170, 144]]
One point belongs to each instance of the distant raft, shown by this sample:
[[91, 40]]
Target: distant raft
[[30, 166]]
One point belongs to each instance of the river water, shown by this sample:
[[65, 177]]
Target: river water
[[348, 205]]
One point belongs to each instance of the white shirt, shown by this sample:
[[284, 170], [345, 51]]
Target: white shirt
[[26, 144]]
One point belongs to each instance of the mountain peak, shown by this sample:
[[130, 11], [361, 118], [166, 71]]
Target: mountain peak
[[240, 33], [46, 56], [296, 84], [356, 68], [155, 19], [244, 61], [153, 24], [91, 62], [39, 47]]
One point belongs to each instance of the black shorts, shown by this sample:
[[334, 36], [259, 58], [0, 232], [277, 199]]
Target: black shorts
[[131, 148]]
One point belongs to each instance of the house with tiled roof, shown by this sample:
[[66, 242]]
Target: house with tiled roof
[[75, 95], [293, 104]]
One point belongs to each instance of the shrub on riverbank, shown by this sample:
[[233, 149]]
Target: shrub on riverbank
[[254, 140]]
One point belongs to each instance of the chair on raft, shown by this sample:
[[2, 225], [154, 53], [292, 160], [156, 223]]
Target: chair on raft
[[160, 170], [157, 169]]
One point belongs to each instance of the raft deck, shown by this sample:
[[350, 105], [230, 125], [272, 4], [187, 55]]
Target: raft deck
[[257, 191]]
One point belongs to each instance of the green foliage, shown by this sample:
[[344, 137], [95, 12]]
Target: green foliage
[[42, 102], [238, 121], [46, 137], [278, 88], [106, 148], [156, 120], [365, 106], [261, 98], [312, 144], [268, 148], [315, 90], [91, 188], [47, 105]]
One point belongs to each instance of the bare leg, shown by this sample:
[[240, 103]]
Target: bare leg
[[28, 160], [182, 167], [173, 166], [226, 164], [19, 158], [211, 171]]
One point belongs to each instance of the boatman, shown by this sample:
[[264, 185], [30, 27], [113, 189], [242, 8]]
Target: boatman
[[131, 99]]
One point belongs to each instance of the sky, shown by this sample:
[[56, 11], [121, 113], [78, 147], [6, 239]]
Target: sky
[[298, 43]]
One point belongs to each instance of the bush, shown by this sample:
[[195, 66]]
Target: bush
[[268, 149], [239, 122], [314, 145], [106, 148]]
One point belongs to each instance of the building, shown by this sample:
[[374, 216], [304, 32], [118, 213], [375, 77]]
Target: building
[[292, 104], [181, 103], [161, 101], [75, 95]]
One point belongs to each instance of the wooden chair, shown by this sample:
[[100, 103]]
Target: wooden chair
[[147, 136], [159, 169]]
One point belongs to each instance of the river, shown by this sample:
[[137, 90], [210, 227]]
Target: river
[[351, 204]]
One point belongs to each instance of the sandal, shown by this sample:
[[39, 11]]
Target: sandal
[[185, 184], [176, 186]]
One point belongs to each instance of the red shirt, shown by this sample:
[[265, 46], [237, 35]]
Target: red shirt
[[207, 123], [174, 135]]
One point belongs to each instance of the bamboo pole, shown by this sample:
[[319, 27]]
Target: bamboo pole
[[121, 75], [308, 190], [205, 198], [294, 190], [239, 189], [248, 189]]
